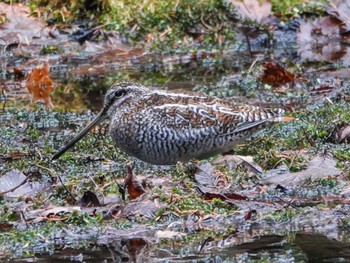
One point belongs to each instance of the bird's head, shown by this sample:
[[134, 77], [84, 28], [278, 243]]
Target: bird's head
[[117, 95], [121, 93]]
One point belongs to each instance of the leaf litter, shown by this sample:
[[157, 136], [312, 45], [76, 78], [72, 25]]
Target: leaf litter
[[253, 9], [320, 167], [15, 184]]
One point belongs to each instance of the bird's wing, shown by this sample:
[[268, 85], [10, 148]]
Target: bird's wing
[[221, 118]]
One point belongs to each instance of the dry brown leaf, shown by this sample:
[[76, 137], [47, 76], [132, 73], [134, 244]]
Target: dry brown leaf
[[19, 27], [134, 187], [346, 192], [275, 75], [340, 9], [343, 136], [89, 199], [145, 209], [321, 30], [54, 213], [15, 184], [13, 156], [206, 175], [343, 73], [256, 10], [230, 160], [5, 226], [39, 85], [318, 168], [18, 73], [227, 195], [134, 247]]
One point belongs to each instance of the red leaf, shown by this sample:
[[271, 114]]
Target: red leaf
[[275, 75], [134, 187], [39, 85]]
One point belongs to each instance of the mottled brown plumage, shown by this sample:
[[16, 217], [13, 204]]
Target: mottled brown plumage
[[161, 127]]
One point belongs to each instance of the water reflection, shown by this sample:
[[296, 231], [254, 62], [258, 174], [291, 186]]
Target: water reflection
[[303, 247]]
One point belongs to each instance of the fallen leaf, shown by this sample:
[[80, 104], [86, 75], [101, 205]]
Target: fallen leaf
[[15, 184], [255, 10], [230, 160], [39, 85], [320, 30], [18, 73], [134, 187], [318, 168], [134, 247], [206, 175], [275, 75], [13, 156], [340, 9], [137, 208], [89, 199], [168, 234], [226, 195], [61, 213], [343, 135], [19, 27], [5, 226], [343, 73], [53, 213], [250, 214], [346, 192]]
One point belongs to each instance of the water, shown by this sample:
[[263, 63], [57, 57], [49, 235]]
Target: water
[[297, 247]]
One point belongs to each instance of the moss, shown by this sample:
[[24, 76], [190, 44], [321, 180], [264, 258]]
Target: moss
[[80, 219], [345, 224], [157, 22], [164, 24], [51, 49], [298, 7], [314, 129], [285, 215]]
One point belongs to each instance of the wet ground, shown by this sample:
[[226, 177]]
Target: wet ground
[[310, 225]]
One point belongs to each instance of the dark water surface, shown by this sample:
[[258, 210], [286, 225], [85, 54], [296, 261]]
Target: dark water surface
[[302, 247]]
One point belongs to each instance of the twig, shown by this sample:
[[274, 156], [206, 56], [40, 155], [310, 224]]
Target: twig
[[65, 188], [252, 65], [248, 42], [54, 174], [293, 159], [14, 188], [25, 219], [210, 27], [289, 203]]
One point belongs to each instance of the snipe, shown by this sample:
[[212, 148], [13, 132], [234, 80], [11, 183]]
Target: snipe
[[160, 127]]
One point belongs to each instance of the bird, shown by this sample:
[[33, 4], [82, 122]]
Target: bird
[[163, 128]]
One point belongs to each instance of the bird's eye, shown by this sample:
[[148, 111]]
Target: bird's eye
[[119, 93]]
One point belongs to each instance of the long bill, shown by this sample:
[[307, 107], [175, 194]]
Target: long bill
[[98, 119]]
